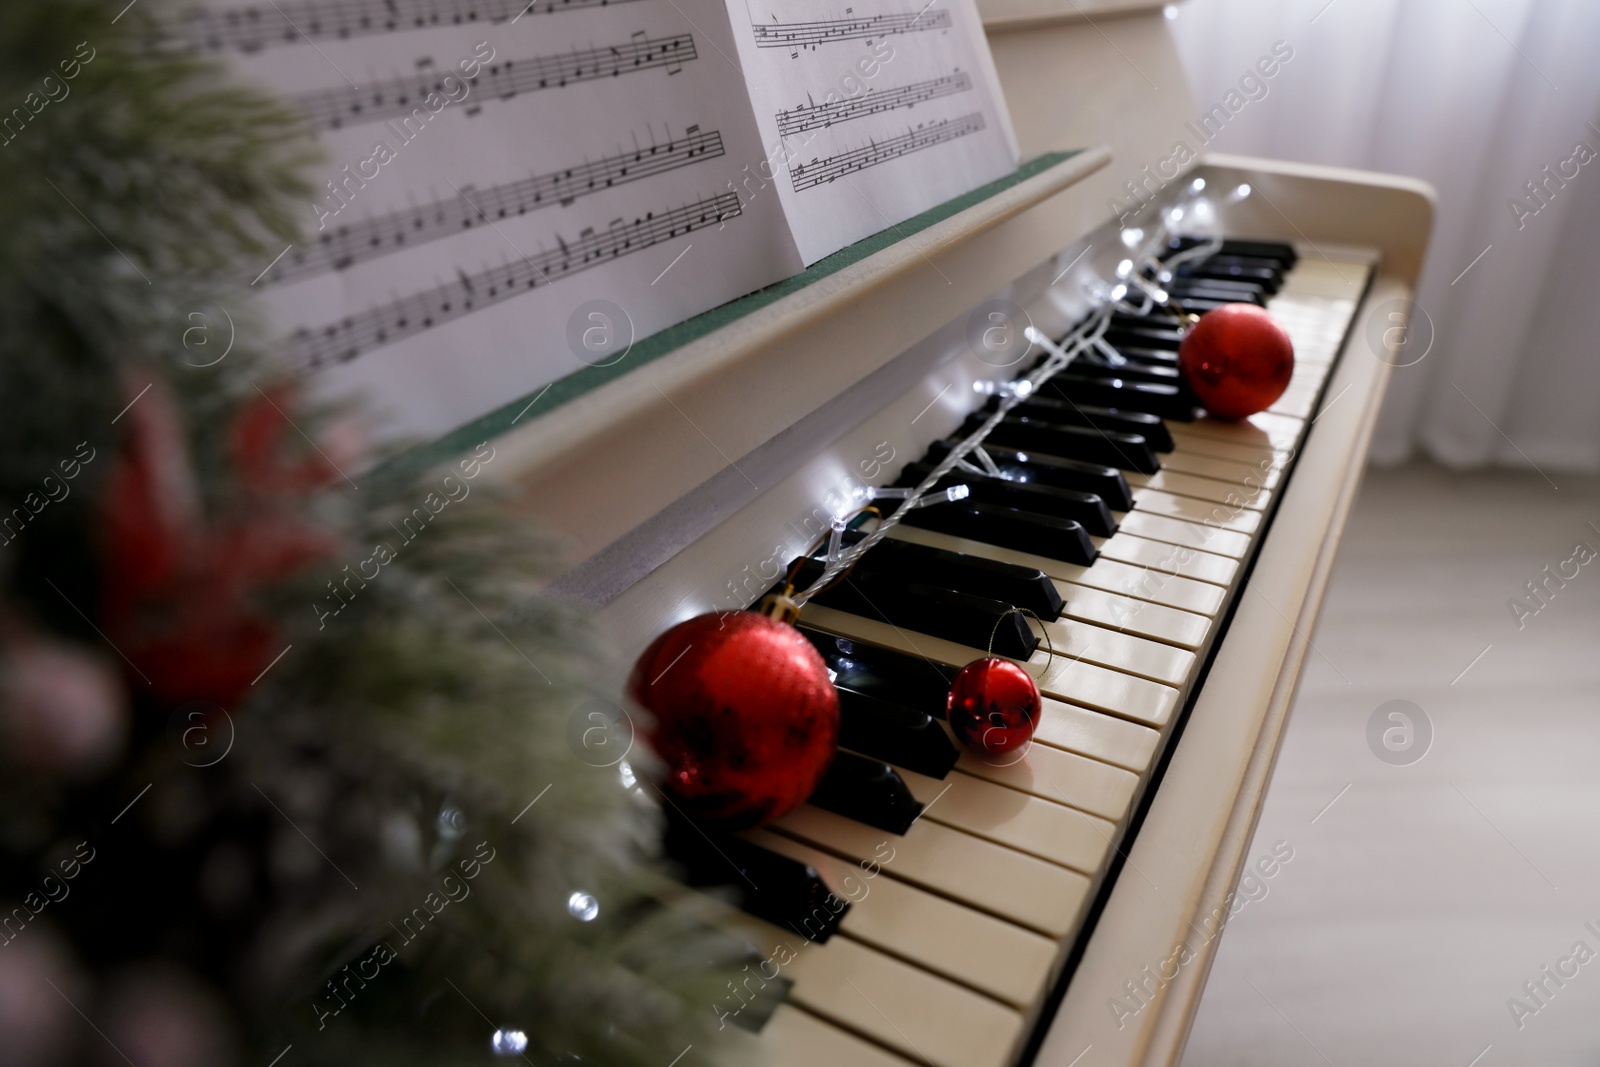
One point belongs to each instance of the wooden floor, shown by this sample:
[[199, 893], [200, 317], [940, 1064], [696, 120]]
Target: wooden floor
[[1421, 897]]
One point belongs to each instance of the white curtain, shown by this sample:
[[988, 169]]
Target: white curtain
[[1477, 97]]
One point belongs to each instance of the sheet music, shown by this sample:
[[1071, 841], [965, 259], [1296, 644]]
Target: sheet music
[[872, 111], [500, 173]]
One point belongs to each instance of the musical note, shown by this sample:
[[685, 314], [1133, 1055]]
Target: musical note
[[332, 109], [819, 116], [342, 341], [793, 35], [253, 28], [822, 171], [341, 247]]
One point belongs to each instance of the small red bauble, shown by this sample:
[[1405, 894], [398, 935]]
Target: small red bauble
[[746, 718], [994, 705], [1237, 359]]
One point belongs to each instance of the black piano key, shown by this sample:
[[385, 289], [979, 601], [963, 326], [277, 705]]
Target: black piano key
[[769, 886], [1199, 305], [1134, 370], [1022, 587], [894, 677], [1066, 413], [1121, 450], [1266, 279], [1150, 357], [1284, 253], [1023, 531], [1085, 509], [910, 739], [868, 791], [1165, 401], [1186, 291], [1142, 333], [1104, 481], [926, 606]]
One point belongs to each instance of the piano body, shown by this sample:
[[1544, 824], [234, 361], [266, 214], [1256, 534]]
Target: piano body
[[1065, 909]]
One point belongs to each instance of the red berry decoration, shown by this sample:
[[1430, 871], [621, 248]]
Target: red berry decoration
[[746, 718], [1237, 359], [994, 705]]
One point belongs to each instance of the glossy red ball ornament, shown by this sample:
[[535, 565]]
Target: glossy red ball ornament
[[746, 718], [994, 705], [1237, 359]]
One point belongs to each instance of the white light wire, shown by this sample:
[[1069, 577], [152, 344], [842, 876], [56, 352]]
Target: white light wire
[[1088, 334]]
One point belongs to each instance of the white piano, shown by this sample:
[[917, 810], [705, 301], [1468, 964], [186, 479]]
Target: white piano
[[1063, 910]]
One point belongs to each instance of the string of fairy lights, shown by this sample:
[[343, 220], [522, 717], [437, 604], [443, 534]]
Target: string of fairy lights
[[1137, 290]]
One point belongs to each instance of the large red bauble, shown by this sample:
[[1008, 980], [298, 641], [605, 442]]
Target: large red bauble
[[1237, 359], [746, 717], [994, 705]]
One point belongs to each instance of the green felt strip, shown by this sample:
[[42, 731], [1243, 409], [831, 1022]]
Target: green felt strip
[[408, 464]]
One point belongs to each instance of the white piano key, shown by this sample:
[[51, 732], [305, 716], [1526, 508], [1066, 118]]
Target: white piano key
[[1185, 629], [914, 1012], [1168, 480], [1091, 733], [794, 1037], [1189, 461], [1230, 516], [1254, 455], [1183, 532], [1145, 583], [1169, 559], [1061, 677], [958, 942], [1110, 647], [1041, 827], [994, 878], [1055, 775], [1278, 432]]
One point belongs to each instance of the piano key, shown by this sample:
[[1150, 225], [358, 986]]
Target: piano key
[[1091, 685], [916, 683], [1024, 531], [1051, 774], [796, 1038], [1021, 587], [1171, 560], [898, 735], [972, 947], [1200, 301], [1156, 371], [1277, 432], [868, 791], [1186, 629], [1150, 357], [1227, 516], [1265, 277], [1264, 457], [1142, 333], [1225, 470], [913, 682], [1124, 451], [1105, 482], [1142, 581], [1120, 649], [993, 878], [1086, 509], [765, 885], [1048, 829], [1163, 400], [1284, 253], [1193, 485], [888, 1000], [1204, 536], [1091, 733], [957, 616], [1064, 412]]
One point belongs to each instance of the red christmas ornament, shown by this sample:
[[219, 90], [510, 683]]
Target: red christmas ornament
[[1237, 359], [746, 717], [994, 705]]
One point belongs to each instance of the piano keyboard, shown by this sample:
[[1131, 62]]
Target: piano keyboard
[[960, 920]]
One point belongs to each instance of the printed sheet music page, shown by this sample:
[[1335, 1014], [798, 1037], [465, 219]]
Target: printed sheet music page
[[511, 189], [872, 111]]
